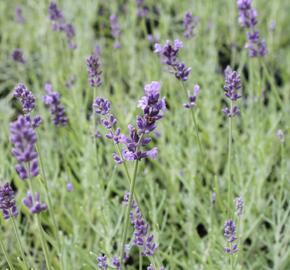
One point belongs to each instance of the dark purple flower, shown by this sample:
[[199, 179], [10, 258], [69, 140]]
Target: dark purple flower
[[182, 71], [102, 106], [55, 14], [248, 19], [19, 15], [168, 53], [189, 24], [17, 56], [25, 96], [7, 201], [52, 100], [115, 30], [230, 235], [192, 98], [142, 9], [102, 262], [33, 203], [141, 236], [239, 206], [116, 262], [23, 137], [94, 70]]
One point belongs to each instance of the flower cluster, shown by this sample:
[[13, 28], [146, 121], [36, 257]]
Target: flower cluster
[[33, 204], [230, 235], [142, 9], [23, 137], [142, 238], [25, 96], [115, 30], [192, 98], [94, 70], [239, 206], [189, 23], [19, 15], [52, 99], [17, 56], [152, 107], [103, 264], [60, 25], [7, 201], [248, 19], [231, 88], [168, 54]]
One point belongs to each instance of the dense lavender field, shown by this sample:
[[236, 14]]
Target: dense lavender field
[[144, 134]]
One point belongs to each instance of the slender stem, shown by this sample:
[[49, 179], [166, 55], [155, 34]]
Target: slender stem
[[194, 123], [18, 241], [6, 255], [140, 261], [132, 187], [50, 207], [44, 248], [230, 157]]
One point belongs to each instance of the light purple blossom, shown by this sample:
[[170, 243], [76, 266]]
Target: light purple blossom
[[7, 201], [33, 203]]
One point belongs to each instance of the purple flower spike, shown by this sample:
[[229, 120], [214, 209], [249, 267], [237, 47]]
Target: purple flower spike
[[142, 9], [94, 70], [25, 96], [248, 20], [230, 235], [239, 206], [19, 15], [23, 137], [192, 98], [17, 56], [102, 262], [189, 24], [69, 187], [7, 201], [57, 110], [54, 12], [115, 30], [33, 204], [231, 88], [116, 262], [102, 106]]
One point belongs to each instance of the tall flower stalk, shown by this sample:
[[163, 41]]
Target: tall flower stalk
[[231, 88], [132, 145]]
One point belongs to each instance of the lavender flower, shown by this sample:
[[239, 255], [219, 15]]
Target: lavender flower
[[142, 9], [94, 70], [248, 20], [102, 262], [152, 107], [150, 267], [55, 14], [23, 137], [33, 204], [239, 206], [25, 96], [280, 135], [19, 15], [69, 187], [189, 24], [7, 201], [231, 88], [116, 263], [17, 56], [52, 99], [192, 98], [230, 235], [168, 54], [142, 237], [115, 30]]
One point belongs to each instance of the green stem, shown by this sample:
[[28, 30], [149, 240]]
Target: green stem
[[18, 241], [44, 248], [230, 158], [132, 187], [6, 255], [140, 261]]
